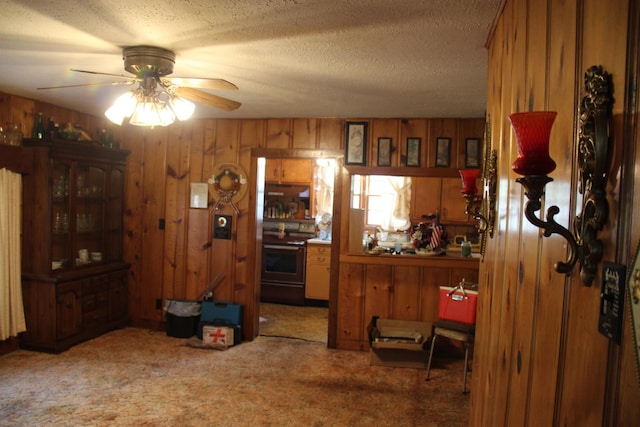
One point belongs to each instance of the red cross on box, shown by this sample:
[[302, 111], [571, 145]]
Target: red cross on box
[[217, 335]]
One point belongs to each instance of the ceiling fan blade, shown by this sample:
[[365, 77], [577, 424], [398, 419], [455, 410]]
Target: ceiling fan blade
[[206, 98], [89, 84], [101, 74], [200, 83]]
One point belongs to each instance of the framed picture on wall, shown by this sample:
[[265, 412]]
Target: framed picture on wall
[[199, 195], [384, 151], [472, 153], [413, 151], [443, 152], [356, 143]]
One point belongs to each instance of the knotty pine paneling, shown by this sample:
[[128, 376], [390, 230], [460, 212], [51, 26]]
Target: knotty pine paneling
[[558, 52], [154, 145], [197, 223], [378, 290], [305, 133], [431, 279], [350, 320], [330, 134], [278, 133], [405, 300], [539, 358]]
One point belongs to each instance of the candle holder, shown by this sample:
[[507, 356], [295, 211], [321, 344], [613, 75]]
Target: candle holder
[[469, 192], [533, 131]]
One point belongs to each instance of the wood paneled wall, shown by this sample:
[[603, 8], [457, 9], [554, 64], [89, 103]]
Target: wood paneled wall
[[178, 261], [539, 358]]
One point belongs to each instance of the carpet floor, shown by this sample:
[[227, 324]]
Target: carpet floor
[[138, 377]]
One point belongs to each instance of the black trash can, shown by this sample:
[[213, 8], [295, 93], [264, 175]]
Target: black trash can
[[182, 318]]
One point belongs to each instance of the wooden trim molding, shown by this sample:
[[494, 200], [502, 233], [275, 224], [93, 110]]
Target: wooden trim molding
[[16, 159]]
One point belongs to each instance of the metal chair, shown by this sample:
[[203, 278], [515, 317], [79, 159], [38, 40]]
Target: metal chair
[[456, 331]]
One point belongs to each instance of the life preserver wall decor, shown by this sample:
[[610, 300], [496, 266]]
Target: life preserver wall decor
[[229, 183]]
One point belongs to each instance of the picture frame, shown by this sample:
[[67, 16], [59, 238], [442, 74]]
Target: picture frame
[[472, 153], [356, 143], [443, 152], [413, 152], [199, 198], [384, 151]]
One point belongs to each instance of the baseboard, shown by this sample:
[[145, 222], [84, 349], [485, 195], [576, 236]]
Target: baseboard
[[9, 345]]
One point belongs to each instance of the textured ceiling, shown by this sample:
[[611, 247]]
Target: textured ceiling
[[289, 58]]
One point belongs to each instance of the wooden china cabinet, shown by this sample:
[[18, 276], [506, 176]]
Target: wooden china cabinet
[[74, 281]]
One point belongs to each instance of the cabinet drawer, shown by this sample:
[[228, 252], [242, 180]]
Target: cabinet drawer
[[95, 284], [92, 319], [95, 301], [317, 250], [319, 259]]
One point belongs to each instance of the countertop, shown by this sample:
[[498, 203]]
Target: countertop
[[451, 259], [318, 242]]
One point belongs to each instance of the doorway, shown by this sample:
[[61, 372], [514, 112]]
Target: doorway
[[309, 321]]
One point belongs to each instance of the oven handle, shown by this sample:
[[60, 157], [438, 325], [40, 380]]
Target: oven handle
[[286, 248]]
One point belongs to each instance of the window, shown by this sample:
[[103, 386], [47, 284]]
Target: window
[[386, 200]]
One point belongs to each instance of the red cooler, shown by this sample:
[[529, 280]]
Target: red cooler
[[458, 305]]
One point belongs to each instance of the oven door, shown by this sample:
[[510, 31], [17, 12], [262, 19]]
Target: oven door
[[283, 263], [283, 274]]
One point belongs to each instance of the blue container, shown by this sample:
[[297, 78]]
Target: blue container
[[221, 313]]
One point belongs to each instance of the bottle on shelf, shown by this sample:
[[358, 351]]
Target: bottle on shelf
[[38, 128]]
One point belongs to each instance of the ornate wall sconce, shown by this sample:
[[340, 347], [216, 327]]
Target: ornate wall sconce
[[469, 192], [532, 131]]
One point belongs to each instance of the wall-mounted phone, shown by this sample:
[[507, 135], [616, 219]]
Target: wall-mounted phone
[[222, 227]]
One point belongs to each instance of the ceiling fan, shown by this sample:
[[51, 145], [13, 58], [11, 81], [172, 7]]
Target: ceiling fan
[[151, 67]]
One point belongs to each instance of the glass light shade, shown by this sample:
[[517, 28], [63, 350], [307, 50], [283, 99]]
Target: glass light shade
[[151, 112], [469, 177], [123, 107], [182, 108], [533, 130]]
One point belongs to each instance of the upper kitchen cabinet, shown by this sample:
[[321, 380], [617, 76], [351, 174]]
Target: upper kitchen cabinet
[[289, 171], [444, 194]]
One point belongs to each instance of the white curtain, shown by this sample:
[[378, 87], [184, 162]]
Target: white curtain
[[323, 182], [11, 307], [399, 216]]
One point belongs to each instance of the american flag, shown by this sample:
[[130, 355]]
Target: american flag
[[436, 233]]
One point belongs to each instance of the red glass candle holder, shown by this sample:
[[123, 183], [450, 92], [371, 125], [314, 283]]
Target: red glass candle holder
[[469, 177], [532, 133]]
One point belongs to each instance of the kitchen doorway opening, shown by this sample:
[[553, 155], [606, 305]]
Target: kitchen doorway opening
[[288, 216]]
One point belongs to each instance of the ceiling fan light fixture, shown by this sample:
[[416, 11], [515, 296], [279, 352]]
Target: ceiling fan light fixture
[[122, 107], [150, 111], [182, 108]]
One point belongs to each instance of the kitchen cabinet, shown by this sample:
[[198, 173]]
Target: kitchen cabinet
[[425, 197], [289, 171], [74, 279], [444, 194], [452, 204], [318, 271]]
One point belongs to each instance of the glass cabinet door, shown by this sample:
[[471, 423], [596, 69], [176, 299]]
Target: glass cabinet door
[[89, 190], [113, 218], [60, 215]]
